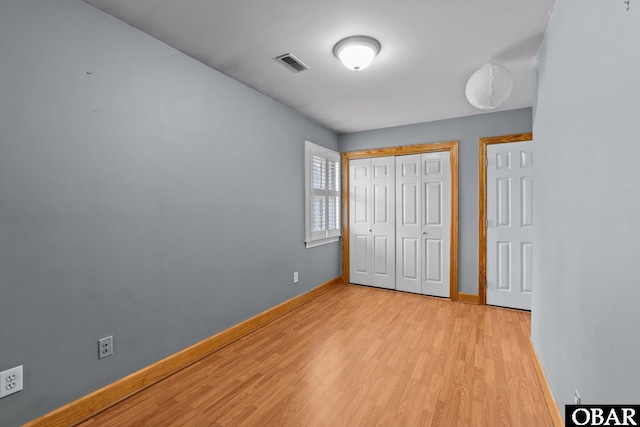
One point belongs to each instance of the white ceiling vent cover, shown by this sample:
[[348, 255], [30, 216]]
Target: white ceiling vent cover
[[293, 63]]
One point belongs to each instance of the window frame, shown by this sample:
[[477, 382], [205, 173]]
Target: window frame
[[327, 235]]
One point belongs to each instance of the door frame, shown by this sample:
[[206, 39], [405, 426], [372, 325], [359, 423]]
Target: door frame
[[452, 148], [482, 204]]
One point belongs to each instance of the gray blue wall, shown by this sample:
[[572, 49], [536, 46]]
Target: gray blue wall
[[466, 130], [586, 309], [142, 195]]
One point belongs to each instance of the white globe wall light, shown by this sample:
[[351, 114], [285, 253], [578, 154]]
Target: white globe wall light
[[357, 52], [489, 87]]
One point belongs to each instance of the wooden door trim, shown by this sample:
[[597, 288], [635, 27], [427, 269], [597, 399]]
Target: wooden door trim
[[452, 148], [482, 204]]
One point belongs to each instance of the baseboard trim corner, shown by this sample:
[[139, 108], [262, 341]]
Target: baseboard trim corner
[[468, 298], [93, 403], [552, 406]]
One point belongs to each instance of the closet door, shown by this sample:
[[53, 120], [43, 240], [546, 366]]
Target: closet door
[[408, 224], [383, 266], [436, 223], [423, 227], [372, 222], [360, 221]]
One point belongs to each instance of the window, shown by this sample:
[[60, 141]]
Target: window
[[322, 195]]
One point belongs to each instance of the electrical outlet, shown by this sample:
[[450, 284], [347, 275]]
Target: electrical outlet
[[576, 398], [295, 277], [10, 381], [105, 347]]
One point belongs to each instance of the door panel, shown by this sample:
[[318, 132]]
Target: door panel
[[504, 266], [381, 200], [360, 212], [409, 202], [503, 160], [503, 202], [526, 192], [434, 260], [526, 258], [433, 203], [408, 230], [383, 222], [436, 227], [372, 222], [361, 258], [510, 223], [410, 260], [359, 218], [380, 255], [423, 183]]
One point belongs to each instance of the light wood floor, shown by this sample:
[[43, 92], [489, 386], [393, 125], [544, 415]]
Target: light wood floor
[[357, 356]]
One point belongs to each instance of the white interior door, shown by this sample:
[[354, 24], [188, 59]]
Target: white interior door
[[509, 224], [360, 221], [383, 222], [436, 223], [408, 224], [372, 222], [423, 226]]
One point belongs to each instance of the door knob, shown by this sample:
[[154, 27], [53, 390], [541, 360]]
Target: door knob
[[424, 232]]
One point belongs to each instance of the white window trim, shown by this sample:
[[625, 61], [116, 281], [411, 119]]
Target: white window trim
[[326, 236]]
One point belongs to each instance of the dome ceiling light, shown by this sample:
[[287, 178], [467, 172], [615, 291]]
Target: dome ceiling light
[[356, 52], [489, 87]]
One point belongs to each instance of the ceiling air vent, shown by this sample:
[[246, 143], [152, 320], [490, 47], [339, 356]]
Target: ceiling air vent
[[293, 63]]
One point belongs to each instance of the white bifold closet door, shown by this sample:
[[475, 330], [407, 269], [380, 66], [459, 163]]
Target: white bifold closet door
[[400, 222], [372, 222], [423, 211]]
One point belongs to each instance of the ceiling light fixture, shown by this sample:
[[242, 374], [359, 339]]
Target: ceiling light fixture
[[489, 87], [356, 52]]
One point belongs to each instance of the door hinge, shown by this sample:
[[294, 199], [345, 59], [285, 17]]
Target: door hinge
[[486, 162], [486, 223]]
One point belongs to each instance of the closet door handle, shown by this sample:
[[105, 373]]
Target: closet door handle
[[424, 232]]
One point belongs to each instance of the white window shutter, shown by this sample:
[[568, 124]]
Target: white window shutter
[[322, 195]]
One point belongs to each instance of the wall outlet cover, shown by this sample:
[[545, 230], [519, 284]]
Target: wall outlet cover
[[105, 347], [11, 381]]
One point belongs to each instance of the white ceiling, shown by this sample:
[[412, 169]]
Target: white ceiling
[[429, 50]]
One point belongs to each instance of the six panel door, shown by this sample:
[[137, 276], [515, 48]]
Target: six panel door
[[360, 221], [509, 224], [399, 222], [408, 224], [436, 220], [372, 222]]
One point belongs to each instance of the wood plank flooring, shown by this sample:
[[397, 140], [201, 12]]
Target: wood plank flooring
[[357, 356]]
